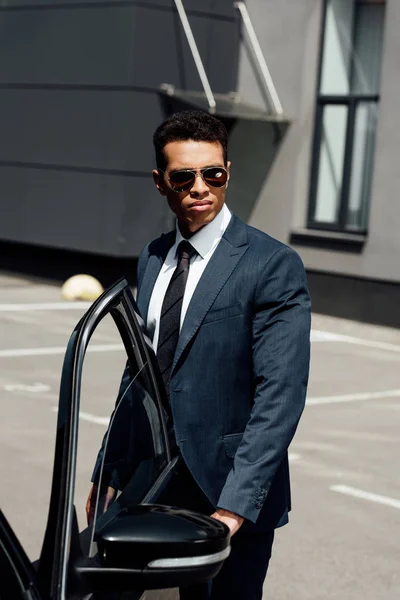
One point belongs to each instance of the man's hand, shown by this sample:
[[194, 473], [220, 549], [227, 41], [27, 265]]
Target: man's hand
[[91, 501], [231, 519]]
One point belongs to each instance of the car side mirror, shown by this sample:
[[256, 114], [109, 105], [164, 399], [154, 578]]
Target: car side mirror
[[151, 546]]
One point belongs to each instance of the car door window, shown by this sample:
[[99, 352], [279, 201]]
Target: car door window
[[121, 440], [117, 439]]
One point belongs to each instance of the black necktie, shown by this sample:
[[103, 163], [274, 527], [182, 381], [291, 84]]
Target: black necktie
[[171, 311]]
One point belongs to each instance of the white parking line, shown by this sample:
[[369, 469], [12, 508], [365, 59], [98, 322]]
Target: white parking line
[[356, 493], [93, 419], [36, 388], [316, 334], [353, 397], [322, 336], [45, 306], [327, 336], [88, 417], [57, 350], [293, 456]]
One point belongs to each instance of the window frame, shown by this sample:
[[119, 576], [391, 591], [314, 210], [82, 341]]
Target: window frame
[[61, 544], [351, 101]]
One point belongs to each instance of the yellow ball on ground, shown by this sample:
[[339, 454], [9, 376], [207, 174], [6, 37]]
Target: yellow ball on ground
[[81, 287]]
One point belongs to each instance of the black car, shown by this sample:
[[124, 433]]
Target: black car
[[137, 543]]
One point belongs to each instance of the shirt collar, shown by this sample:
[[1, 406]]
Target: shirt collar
[[204, 240]]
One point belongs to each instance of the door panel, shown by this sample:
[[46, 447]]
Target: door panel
[[17, 576], [109, 341]]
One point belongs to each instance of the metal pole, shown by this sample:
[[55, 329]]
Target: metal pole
[[269, 84], [195, 53]]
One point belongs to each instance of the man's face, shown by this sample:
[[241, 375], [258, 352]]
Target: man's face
[[200, 204]]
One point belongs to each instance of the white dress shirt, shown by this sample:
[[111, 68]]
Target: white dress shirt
[[204, 242]]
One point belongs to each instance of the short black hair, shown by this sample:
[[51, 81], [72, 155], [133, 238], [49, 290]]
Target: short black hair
[[196, 125]]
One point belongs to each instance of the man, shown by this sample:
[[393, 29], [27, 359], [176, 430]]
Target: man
[[229, 312]]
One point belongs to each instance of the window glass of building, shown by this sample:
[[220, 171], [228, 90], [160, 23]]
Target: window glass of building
[[346, 120]]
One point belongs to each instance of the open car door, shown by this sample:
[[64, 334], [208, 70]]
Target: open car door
[[133, 543]]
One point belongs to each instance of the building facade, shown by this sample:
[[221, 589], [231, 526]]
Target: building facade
[[332, 191], [85, 83]]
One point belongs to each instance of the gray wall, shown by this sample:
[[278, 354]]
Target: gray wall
[[79, 102], [289, 33]]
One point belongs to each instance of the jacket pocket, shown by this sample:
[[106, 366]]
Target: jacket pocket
[[222, 313], [231, 443]]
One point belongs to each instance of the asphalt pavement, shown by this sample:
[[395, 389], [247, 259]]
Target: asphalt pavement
[[343, 540]]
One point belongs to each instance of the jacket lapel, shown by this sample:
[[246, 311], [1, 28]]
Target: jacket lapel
[[158, 251], [228, 253]]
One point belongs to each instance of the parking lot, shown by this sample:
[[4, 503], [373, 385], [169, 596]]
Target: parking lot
[[343, 541]]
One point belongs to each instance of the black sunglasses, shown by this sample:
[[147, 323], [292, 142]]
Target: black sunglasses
[[181, 181]]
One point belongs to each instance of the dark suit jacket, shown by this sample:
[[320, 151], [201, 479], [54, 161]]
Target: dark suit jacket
[[240, 371]]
